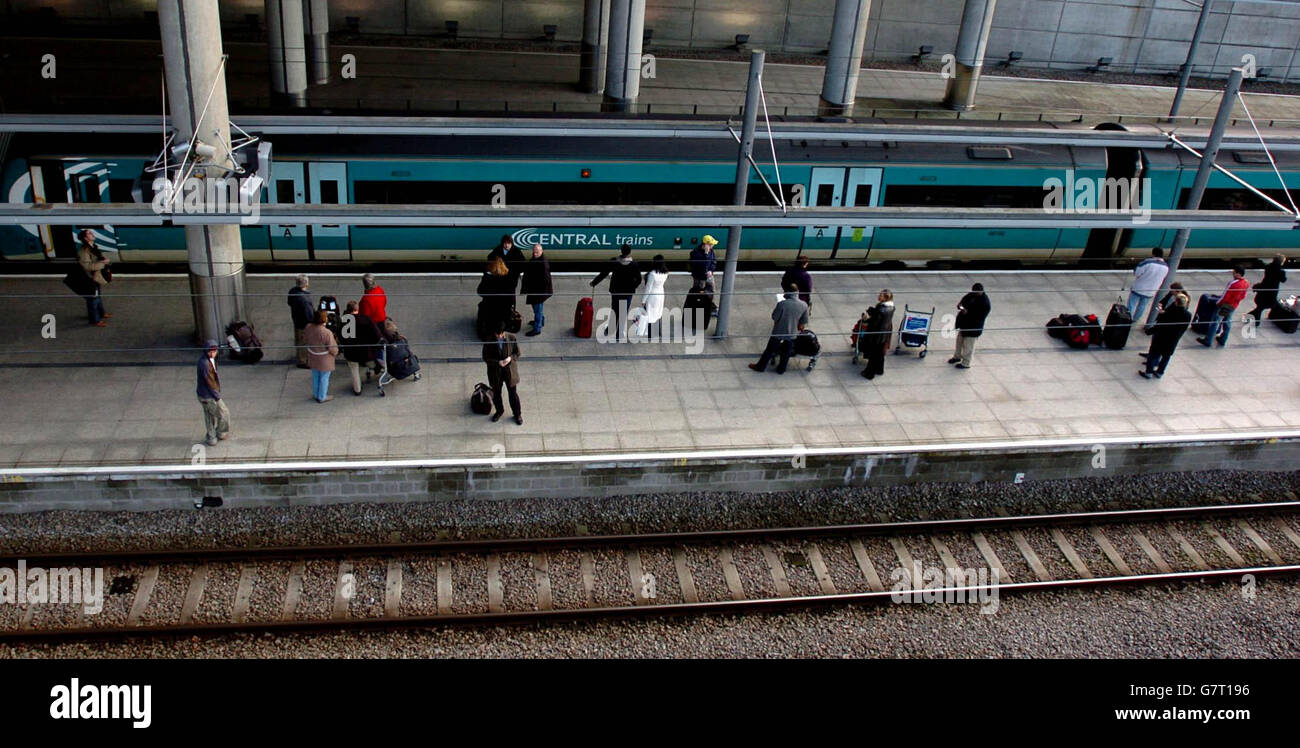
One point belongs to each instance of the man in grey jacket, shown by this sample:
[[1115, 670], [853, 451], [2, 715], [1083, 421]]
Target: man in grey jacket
[[788, 318]]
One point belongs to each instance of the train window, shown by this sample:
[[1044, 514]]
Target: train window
[[329, 192], [825, 194], [1238, 199], [543, 193], [1250, 157], [119, 190], [758, 194], [87, 190], [284, 191], [963, 196], [862, 196], [989, 152]]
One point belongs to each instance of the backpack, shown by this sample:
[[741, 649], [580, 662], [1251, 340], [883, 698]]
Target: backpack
[[481, 401], [244, 344], [806, 344]]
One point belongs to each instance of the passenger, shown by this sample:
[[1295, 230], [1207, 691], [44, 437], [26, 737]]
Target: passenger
[[1147, 278], [1266, 290], [1171, 323], [703, 262], [789, 318], [502, 358], [1221, 322], [498, 304], [801, 278], [216, 417], [1166, 301], [322, 349], [95, 264], [359, 340], [624, 279], [374, 302], [652, 299], [537, 284], [513, 258], [972, 310], [880, 328], [302, 308]]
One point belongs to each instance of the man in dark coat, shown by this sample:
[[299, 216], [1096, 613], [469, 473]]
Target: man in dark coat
[[973, 309], [1267, 288], [216, 417], [624, 279], [502, 358], [359, 339], [1171, 323], [801, 279], [703, 263], [880, 331], [303, 309], [537, 285]]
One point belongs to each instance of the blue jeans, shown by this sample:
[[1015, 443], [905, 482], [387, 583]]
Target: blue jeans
[[539, 319], [1220, 327], [1137, 304], [320, 384], [95, 308]]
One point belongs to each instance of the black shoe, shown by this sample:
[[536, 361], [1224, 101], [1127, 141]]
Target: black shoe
[[1142, 373], [1144, 355], [868, 376], [1158, 375], [954, 359], [755, 367], [1203, 342], [961, 366], [496, 417], [519, 420], [533, 332]]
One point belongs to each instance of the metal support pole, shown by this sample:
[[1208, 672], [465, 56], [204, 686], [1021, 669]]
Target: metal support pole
[[317, 22], [623, 74], [1208, 157], [844, 58], [196, 92], [1186, 73], [742, 188], [595, 46], [972, 40]]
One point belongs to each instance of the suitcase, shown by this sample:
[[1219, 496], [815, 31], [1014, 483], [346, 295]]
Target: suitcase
[[1118, 324], [1285, 317], [404, 363], [1206, 308], [513, 322], [481, 401], [244, 344], [583, 317], [698, 298]]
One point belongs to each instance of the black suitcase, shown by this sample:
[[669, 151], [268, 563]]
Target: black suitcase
[[1118, 324], [1206, 308], [1286, 318], [701, 300]]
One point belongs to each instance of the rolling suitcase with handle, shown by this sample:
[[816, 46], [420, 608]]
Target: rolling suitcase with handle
[[583, 317], [1118, 324]]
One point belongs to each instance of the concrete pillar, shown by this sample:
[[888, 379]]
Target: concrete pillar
[[844, 57], [196, 93], [284, 36], [623, 74], [317, 22], [595, 46], [972, 39]]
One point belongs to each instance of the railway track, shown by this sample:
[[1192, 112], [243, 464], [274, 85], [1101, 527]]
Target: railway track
[[498, 581]]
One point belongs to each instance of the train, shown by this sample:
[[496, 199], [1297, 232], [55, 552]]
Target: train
[[549, 170]]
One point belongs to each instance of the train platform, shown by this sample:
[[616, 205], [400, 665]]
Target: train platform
[[74, 396], [429, 79]]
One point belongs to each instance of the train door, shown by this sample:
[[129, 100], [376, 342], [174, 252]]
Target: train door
[[862, 189], [87, 183], [836, 186], [328, 183], [288, 187], [825, 190]]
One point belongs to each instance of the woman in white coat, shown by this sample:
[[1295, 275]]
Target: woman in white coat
[[652, 300]]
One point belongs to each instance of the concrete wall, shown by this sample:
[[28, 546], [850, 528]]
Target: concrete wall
[[1141, 35], [289, 488]]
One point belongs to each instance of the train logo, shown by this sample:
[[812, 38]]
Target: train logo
[[572, 238]]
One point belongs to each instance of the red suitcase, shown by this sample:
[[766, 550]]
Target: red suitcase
[[582, 318]]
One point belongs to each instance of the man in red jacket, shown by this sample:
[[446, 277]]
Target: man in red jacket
[[1221, 322], [374, 302]]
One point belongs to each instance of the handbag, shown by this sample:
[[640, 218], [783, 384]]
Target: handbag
[[78, 282], [106, 274]]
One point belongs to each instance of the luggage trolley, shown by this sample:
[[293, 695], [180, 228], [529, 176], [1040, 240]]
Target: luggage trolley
[[914, 331]]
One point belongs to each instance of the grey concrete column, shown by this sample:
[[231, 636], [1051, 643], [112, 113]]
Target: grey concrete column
[[595, 46], [741, 190], [288, 50], [623, 74], [317, 22], [844, 57], [196, 93], [972, 39]]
